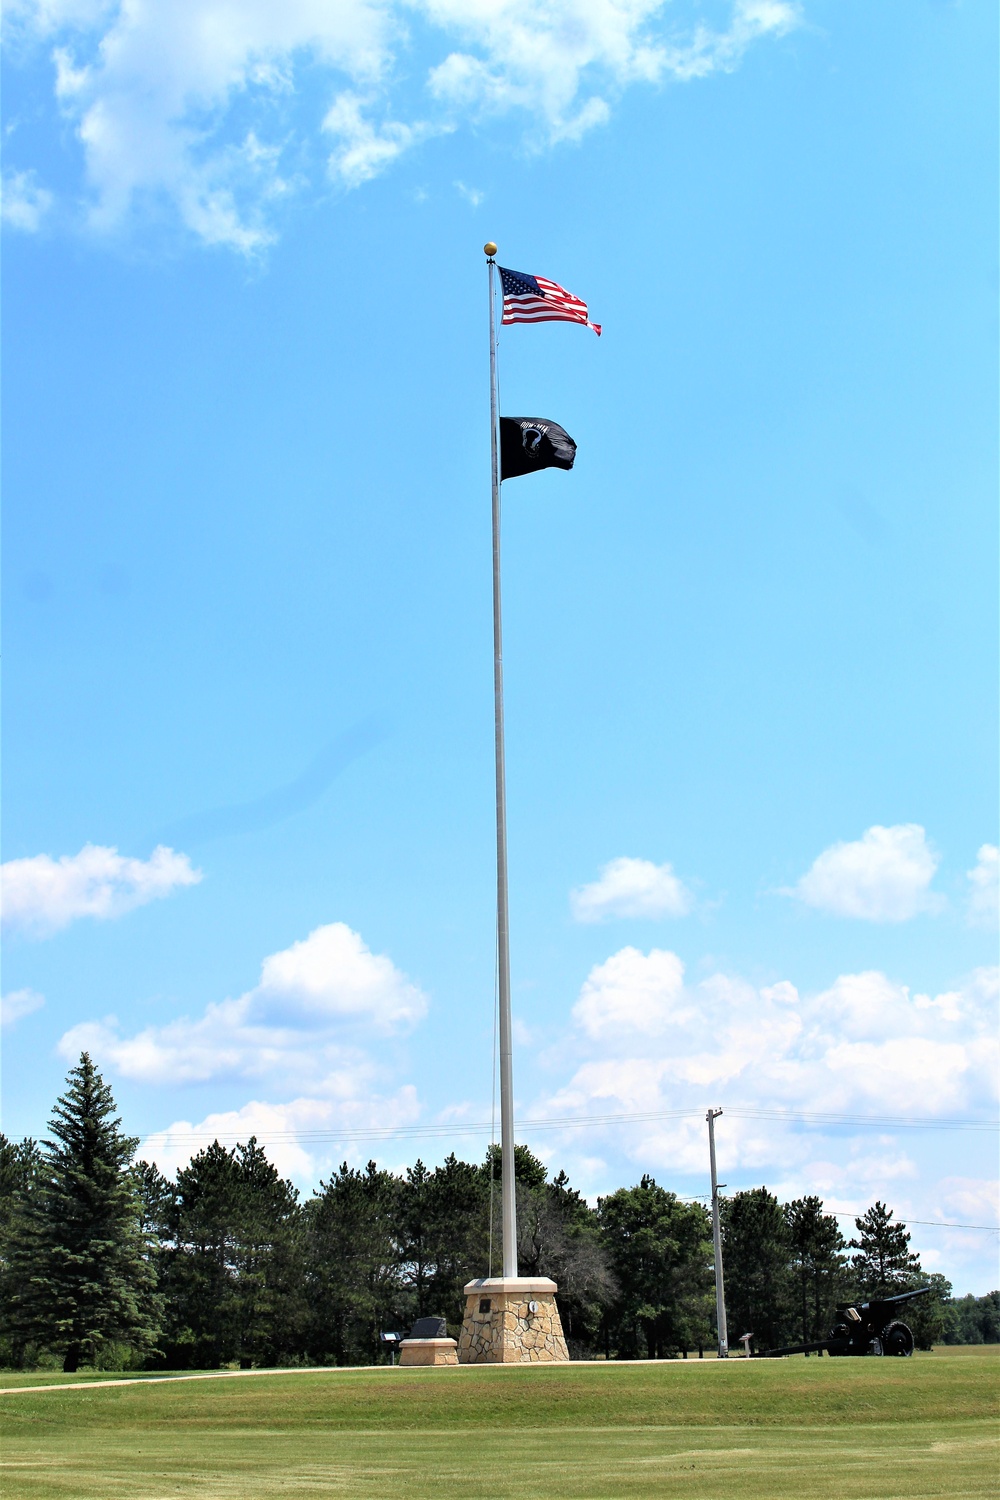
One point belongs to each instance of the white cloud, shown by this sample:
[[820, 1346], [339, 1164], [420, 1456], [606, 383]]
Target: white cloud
[[645, 1040], [25, 202], [45, 17], [471, 195], [161, 92], [976, 1200], [633, 992], [41, 895], [632, 888], [349, 1103], [984, 878], [543, 59], [882, 877], [364, 150], [18, 1003], [332, 973], [293, 1025]]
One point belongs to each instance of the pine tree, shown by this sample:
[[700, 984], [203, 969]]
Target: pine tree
[[818, 1264], [20, 1163], [232, 1271], [755, 1256], [884, 1264], [270, 1264], [416, 1260], [356, 1283], [80, 1267], [458, 1199]]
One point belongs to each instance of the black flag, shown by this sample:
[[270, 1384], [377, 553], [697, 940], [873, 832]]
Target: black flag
[[531, 443]]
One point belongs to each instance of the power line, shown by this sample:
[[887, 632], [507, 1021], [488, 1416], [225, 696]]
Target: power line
[[563, 1122], [908, 1122], [575, 1122], [927, 1223], [859, 1214]]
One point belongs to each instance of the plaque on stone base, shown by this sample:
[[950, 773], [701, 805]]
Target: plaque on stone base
[[428, 1344]]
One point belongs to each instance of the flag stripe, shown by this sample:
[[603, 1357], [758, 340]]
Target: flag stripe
[[540, 315], [535, 299], [533, 304]]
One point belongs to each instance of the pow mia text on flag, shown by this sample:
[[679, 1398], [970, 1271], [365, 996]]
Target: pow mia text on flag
[[531, 443]]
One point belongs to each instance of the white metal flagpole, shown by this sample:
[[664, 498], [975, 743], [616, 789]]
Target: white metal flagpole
[[509, 1212]]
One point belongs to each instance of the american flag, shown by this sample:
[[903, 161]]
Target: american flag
[[534, 299]]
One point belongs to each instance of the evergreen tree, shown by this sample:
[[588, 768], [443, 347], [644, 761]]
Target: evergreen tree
[[884, 1264], [232, 1272], [755, 1255], [355, 1286], [199, 1271], [270, 1264], [659, 1251], [417, 1262], [818, 1264], [458, 1234], [80, 1267], [529, 1172], [157, 1201], [20, 1164]]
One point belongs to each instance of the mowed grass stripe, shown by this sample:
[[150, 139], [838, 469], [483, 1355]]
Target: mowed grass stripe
[[845, 1428], [17, 1380], [769, 1392], [885, 1464]]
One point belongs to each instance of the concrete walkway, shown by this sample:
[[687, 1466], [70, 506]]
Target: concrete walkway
[[577, 1364]]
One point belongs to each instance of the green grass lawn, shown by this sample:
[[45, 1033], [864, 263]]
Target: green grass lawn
[[796, 1427]]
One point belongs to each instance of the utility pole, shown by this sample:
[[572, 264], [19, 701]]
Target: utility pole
[[720, 1293]]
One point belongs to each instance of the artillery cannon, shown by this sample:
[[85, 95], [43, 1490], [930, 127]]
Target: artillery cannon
[[863, 1328]]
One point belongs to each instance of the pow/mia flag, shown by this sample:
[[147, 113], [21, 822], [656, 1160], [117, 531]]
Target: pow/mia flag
[[530, 443]]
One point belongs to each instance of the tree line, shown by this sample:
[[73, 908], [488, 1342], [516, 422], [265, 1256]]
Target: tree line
[[105, 1262]]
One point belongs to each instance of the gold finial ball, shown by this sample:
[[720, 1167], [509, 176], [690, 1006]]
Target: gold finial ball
[[489, 248]]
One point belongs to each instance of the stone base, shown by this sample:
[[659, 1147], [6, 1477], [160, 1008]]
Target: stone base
[[511, 1320], [428, 1352]]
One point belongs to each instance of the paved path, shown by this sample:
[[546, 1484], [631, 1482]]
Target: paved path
[[96, 1385]]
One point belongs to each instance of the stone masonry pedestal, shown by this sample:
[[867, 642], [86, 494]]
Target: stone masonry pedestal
[[427, 1352], [511, 1320]]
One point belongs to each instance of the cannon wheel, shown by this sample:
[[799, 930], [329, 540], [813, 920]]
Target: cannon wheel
[[897, 1339]]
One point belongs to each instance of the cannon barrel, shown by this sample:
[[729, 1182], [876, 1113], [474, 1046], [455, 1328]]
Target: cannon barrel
[[885, 1301], [901, 1296]]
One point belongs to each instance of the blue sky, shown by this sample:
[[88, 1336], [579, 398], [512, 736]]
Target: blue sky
[[750, 640]]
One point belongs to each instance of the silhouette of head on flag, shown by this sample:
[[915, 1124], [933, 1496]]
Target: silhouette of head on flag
[[531, 443]]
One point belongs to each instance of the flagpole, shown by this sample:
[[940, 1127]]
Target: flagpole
[[509, 1212]]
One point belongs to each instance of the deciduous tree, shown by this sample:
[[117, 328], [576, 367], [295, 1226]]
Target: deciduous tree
[[659, 1252]]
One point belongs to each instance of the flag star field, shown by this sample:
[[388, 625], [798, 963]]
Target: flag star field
[[750, 636]]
